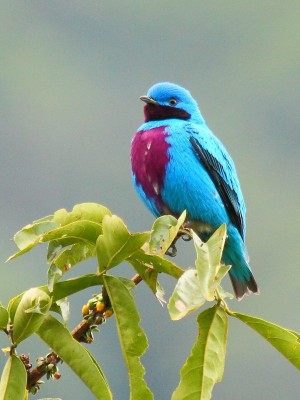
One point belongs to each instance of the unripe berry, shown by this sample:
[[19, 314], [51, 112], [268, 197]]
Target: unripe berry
[[92, 304]]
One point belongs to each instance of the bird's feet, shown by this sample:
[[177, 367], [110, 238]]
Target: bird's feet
[[185, 234]]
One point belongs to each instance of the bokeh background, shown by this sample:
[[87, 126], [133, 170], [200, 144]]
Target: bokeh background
[[71, 75]]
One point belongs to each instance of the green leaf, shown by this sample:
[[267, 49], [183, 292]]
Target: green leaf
[[85, 231], [187, 296], [72, 226], [156, 262], [149, 275], [222, 294], [56, 246], [15, 301], [160, 293], [127, 282], [148, 266], [85, 211], [164, 231], [30, 313], [3, 318], [74, 285], [294, 333], [208, 262], [32, 233], [13, 380], [67, 259], [116, 243], [285, 341], [30, 236], [132, 338], [64, 308], [13, 305], [205, 365], [75, 355]]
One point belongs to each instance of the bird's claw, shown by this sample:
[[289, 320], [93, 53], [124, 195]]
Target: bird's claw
[[185, 235], [172, 251]]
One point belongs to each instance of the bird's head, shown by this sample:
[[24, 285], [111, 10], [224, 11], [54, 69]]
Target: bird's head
[[168, 100]]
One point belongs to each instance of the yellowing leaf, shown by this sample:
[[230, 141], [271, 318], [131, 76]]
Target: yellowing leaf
[[208, 262], [164, 231], [187, 296]]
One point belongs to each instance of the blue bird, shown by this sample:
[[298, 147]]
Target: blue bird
[[179, 164]]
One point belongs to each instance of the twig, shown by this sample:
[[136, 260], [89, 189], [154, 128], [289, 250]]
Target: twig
[[79, 333]]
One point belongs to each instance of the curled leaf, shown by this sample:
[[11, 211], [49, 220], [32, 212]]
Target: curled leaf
[[30, 313]]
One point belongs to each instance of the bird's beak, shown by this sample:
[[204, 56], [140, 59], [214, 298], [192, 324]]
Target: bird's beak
[[148, 100]]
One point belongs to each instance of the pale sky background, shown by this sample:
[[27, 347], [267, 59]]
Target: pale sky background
[[71, 73]]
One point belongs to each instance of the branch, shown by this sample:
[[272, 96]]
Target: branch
[[82, 333]]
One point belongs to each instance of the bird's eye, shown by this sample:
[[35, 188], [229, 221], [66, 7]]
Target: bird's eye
[[173, 102]]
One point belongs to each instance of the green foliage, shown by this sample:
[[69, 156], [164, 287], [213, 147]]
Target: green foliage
[[164, 231], [205, 366], [75, 355], [74, 285], [91, 231], [132, 338], [187, 296], [30, 313], [196, 286], [210, 254], [13, 379], [285, 341], [116, 243], [3, 318]]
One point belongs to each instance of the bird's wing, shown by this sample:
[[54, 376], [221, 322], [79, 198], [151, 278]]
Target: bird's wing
[[219, 165]]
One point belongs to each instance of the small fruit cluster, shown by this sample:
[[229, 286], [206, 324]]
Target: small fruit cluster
[[95, 312], [94, 306], [49, 365]]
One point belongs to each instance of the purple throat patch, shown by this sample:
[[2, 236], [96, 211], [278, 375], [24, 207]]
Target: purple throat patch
[[149, 158], [157, 112]]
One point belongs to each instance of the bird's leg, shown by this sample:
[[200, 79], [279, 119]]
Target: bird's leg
[[185, 234], [172, 250]]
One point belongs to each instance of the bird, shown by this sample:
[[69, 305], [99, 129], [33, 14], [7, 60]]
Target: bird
[[179, 164]]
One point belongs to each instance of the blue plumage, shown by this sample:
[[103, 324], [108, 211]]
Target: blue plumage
[[178, 164]]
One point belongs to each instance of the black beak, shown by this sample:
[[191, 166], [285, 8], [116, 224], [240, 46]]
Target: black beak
[[148, 100]]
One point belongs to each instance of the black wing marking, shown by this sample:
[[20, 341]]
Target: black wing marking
[[227, 194]]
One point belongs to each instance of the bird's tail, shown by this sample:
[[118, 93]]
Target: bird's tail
[[243, 287], [241, 276]]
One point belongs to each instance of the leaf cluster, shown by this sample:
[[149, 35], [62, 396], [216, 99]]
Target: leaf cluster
[[91, 231]]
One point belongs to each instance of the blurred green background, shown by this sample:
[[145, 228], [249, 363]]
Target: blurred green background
[[71, 75]]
